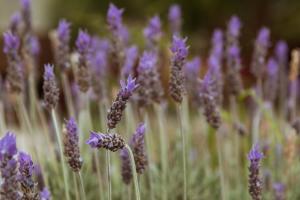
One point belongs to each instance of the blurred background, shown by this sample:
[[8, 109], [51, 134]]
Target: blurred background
[[200, 18]]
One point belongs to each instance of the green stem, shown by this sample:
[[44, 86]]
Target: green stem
[[164, 150], [67, 94], [76, 187], [182, 135], [108, 174], [99, 174], [135, 179], [53, 115], [82, 185], [221, 167]]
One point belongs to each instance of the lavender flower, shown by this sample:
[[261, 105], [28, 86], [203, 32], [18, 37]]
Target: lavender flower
[[137, 144], [83, 44], [174, 17], [15, 72], [39, 176], [233, 78], [279, 191], [45, 194], [262, 44], [217, 44], [255, 182], [215, 74], [62, 49], [114, 18], [34, 46], [98, 77], [191, 76], [131, 56], [115, 112], [15, 21], [271, 84], [152, 32], [8, 167], [71, 146], [26, 15], [112, 142], [28, 186], [180, 52], [150, 88], [125, 166], [208, 100], [281, 52], [51, 91]]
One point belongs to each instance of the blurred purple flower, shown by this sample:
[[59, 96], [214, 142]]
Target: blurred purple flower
[[131, 56], [281, 52], [192, 67], [8, 147], [15, 21], [217, 43], [153, 31], [34, 45], [272, 67], [279, 191], [50, 89], [147, 61], [11, 43], [114, 17], [128, 87], [26, 166], [234, 26], [83, 42], [263, 37], [255, 182], [63, 31], [45, 194], [179, 49], [175, 19]]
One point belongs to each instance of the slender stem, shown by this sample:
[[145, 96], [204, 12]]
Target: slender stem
[[135, 179], [82, 185], [76, 187], [108, 174], [67, 94], [221, 167], [182, 135], [53, 115], [99, 174], [164, 151]]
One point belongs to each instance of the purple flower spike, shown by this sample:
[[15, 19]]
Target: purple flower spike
[[130, 86], [272, 67], [25, 4], [153, 31], [193, 66], [8, 147], [131, 55], [217, 43], [51, 91], [147, 61], [34, 46], [279, 191], [71, 145], [63, 31], [114, 17], [234, 26], [11, 43], [83, 42], [255, 183], [26, 165], [179, 48], [112, 142], [45, 194], [174, 17], [49, 74], [15, 21], [264, 37], [281, 51]]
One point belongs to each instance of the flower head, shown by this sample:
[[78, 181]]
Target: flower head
[[179, 48], [71, 127], [114, 16], [234, 26], [49, 74], [26, 165], [255, 155], [263, 37], [11, 43], [34, 46], [45, 194], [281, 50], [153, 31], [15, 21], [131, 55], [174, 17], [147, 61], [112, 142], [63, 31], [51, 91], [129, 86], [8, 147], [272, 67], [83, 42]]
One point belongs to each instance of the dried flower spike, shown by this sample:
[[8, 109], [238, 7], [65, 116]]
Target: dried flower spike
[[83, 44], [15, 68], [255, 182], [137, 144], [179, 54], [28, 186], [115, 112], [71, 146], [51, 91], [8, 167], [125, 166], [112, 142]]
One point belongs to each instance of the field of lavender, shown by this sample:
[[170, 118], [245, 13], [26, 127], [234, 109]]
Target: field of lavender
[[104, 122]]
